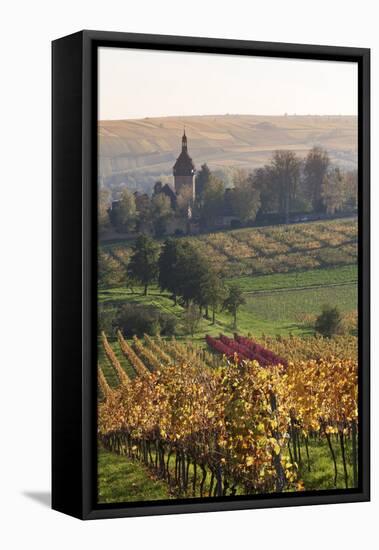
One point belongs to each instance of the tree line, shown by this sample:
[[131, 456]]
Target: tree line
[[135, 212], [286, 184], [181, 270]]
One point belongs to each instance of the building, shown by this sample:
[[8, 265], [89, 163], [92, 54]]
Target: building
[[184, 174], [165, 189]]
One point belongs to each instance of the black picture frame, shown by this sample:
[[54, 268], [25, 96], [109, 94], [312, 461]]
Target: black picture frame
[[74, 203]]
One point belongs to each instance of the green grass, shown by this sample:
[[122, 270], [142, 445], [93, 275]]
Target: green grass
[[121, 480], [106, 365], [313, 278], [283, 312], [321, 475], [275, 304], [108, 370]]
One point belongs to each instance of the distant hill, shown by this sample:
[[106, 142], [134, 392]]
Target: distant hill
[[140, 150]]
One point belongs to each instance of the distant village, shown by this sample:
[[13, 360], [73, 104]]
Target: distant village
[[182, 198], [288, 190]]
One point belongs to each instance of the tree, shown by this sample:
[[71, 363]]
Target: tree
[[263, 181], [143, 265], [143, 206], [104, 203], [329, 322], [187, 273], [334, 191], [245, 196], [285, 170], [213, 200], [167, 263], [190, 267], [124, 213], [191, 319], [109, 270], [202, 179], [316, 167], [212, 291], [351, 188], [233, 302], [183, 268], [161, 213]]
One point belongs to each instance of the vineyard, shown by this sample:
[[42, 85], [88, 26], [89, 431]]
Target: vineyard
[[243, 417], [266, 250], [242, 349]]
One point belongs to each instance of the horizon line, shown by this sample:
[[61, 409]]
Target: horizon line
[[283, 115]]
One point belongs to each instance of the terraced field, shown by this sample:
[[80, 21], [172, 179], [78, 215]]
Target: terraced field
[[286, 272], [283, 248], [272, 249], [161, 381]]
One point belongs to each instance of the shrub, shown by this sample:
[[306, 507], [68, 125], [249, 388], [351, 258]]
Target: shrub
[[138, 319], [106, 317], [191, 319], [329, 322]]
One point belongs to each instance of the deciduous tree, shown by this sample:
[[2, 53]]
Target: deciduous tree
[[167, 263], [334, 191], [233, 302], [161, 213], [124, 213], [143, 265], [212, 291], [213, 200], [316, 167], [245, 196], [285, 170]]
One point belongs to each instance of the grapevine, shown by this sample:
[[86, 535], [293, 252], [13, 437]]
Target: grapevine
[[129, 353], [122, 376]]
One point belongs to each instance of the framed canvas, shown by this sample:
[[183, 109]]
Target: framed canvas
[[210, 274]]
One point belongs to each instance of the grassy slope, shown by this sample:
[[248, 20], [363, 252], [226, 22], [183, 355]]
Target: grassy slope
[[321, 475], [151, 144], [267, 309], [120, 480], [284, 290], [275, 303], [312, 278]]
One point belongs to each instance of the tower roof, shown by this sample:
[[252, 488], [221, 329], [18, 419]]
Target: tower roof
[[184, 165]]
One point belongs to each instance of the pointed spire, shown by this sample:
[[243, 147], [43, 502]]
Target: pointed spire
[[184, 140]]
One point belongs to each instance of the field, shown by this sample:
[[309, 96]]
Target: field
[[269, 250], [286, 273], [137, 149], [312, 430], [119, 477], [270, 310]]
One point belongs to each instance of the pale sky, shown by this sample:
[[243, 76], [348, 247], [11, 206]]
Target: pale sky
[[148, 83]]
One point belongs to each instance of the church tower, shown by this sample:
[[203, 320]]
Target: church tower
[[184, 173]]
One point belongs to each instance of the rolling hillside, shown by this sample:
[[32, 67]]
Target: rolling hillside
[[287, 273], [137, 149]]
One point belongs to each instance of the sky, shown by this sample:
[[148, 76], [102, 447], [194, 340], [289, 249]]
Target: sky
[[147, 83]]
